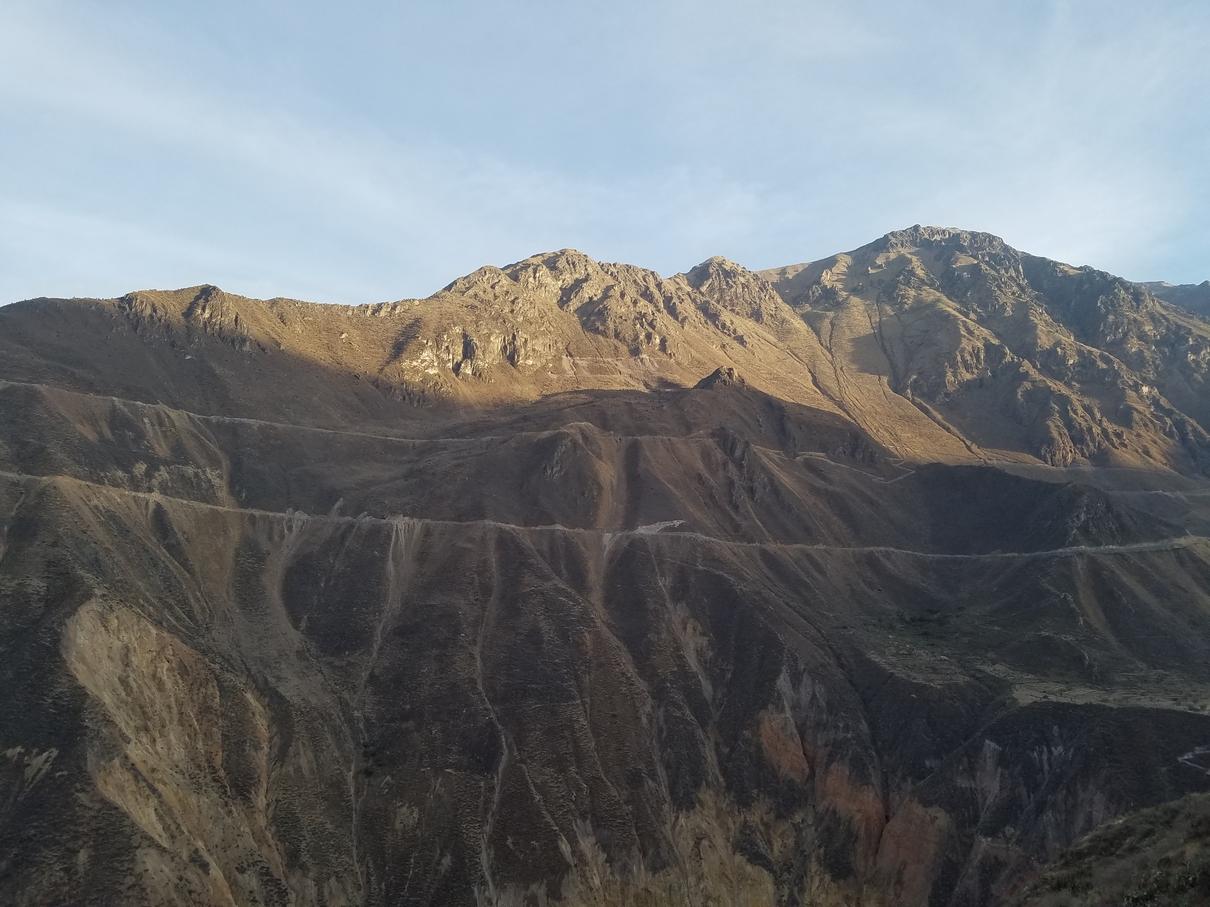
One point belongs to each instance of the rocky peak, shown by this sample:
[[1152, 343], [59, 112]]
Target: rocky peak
[[724, 376], [211, 304], [487, 277], [558, 276], [567, 278], [971, 318], [736, 289], [917, 237]]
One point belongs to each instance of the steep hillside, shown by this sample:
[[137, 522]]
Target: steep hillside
[[552, 323], [1017, 355], [575, 584], [1192, 297], [1158, 856]]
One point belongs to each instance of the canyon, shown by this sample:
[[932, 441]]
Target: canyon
[[878, 580]]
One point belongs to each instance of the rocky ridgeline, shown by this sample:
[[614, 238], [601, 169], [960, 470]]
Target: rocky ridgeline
[[578, 584], [1072, 365]]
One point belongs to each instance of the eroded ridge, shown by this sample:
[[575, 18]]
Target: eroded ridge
[[879, 580]]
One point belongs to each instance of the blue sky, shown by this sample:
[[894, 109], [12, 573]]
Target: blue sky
[[362, 151]]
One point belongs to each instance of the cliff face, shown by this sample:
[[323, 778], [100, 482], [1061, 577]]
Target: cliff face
[[577, 584]]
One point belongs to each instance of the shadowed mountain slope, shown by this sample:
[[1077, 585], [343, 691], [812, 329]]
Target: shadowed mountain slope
[[1192, 297], [1156, 856], [575, 584]]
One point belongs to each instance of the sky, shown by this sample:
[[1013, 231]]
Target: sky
[[362, 151]]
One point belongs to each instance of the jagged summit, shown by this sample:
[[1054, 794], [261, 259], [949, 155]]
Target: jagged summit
[[721, 377], [918, 236]]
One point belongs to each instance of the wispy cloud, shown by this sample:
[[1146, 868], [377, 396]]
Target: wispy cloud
[[658, 133], [430, 206]]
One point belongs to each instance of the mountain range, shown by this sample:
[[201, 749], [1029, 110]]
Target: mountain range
[[877, 580]]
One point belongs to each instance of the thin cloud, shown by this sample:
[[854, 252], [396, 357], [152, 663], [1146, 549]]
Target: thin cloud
[[659, 134]]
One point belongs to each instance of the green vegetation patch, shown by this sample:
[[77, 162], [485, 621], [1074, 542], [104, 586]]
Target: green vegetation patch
[[1157, 857]]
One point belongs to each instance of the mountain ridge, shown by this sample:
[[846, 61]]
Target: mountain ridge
[[1023, 331], [876, 581]]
